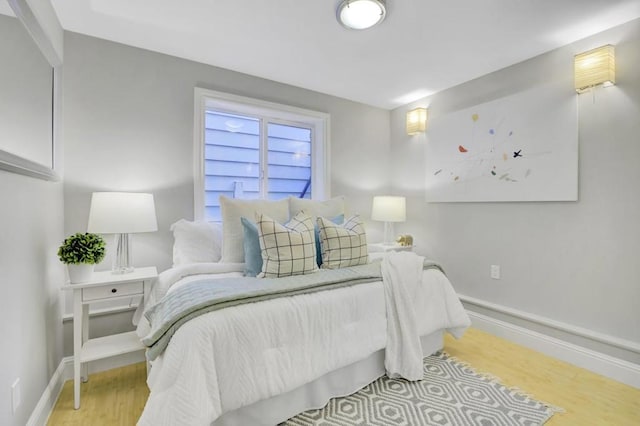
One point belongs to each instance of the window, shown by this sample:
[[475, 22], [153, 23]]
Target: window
[[247, 148]]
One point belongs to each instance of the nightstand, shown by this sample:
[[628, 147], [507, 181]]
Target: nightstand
[[383, 248], [104, 286]]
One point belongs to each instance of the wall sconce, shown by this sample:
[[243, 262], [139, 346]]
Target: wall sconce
[[416, 121], [597, 66]]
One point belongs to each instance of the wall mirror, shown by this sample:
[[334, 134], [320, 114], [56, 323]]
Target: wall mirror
[[27, 94]]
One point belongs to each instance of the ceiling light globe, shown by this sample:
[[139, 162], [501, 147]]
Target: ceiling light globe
[[361, 14]]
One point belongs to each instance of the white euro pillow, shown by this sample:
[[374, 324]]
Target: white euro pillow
[[328, 208], [233, 209], [196, 242]]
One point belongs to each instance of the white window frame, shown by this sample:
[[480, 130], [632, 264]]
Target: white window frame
[[320, 146]]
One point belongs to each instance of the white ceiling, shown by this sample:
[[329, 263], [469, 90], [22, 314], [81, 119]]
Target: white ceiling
[[422, 47]]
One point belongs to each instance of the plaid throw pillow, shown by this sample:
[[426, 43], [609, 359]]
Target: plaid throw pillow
[[287, 249], [343, 245]]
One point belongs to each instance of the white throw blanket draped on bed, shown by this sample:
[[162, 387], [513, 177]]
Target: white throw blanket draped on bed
[[402, 278]]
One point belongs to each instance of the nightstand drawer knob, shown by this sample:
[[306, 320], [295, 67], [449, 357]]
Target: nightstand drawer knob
[[111, 291]]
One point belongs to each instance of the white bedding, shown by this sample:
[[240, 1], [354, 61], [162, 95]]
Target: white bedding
[[231, 358]]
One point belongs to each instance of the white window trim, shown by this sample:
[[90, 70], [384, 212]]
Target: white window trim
[[320, 155]]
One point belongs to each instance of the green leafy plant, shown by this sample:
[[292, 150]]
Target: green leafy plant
[[82, 248]]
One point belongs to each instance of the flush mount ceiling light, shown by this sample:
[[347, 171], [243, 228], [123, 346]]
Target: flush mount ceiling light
[[361, 14]]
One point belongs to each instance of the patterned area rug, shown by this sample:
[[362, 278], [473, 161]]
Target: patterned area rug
[[452, 393]]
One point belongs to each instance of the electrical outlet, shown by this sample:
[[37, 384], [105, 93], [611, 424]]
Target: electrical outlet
[[15, 395], [495, 272]]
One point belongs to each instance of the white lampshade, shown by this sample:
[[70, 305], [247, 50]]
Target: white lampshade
[[122, 213], [387, 208]]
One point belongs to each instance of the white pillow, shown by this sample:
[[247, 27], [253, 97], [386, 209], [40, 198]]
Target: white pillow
[[287, 249], [343, 245], [232, 210], [196, 242], [328, 208]]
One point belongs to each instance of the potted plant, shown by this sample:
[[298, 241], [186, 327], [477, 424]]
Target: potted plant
[[80, 252]]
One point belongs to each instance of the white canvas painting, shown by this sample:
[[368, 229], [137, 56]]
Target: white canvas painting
[[519, 148]]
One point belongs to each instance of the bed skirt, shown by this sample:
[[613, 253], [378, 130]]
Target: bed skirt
[[316, 394]]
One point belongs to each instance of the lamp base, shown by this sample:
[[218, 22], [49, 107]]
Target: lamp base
[[388, 232], [121, 271], [122, 260]]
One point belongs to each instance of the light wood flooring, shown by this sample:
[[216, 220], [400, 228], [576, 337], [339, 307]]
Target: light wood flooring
[[117, 397]]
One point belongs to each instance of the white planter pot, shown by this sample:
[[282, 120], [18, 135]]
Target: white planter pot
[[80, 272]]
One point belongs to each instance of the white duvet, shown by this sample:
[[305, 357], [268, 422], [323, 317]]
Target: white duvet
[[234, 357]]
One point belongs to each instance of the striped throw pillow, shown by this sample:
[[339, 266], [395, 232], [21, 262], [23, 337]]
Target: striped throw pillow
[[343, 245], [287, 249]]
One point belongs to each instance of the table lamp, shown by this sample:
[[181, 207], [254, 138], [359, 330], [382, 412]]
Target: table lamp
[[388, 209], [122, 213]]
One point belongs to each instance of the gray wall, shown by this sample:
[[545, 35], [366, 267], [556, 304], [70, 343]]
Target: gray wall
[[30, 308], [31, 214], [129, 126], [573, 262]]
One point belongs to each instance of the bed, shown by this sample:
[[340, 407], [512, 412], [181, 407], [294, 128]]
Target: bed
[[263, 361]]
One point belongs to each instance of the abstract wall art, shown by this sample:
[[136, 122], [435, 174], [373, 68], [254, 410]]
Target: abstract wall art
[[523, 147]]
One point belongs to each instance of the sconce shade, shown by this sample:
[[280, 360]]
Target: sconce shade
[[122, 213], [416, 121], [597, 66], [387, 208]]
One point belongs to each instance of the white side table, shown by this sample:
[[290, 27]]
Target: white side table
[[102, 287], [383, 248]]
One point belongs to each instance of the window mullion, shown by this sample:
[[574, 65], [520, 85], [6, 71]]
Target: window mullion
[[264, 158]]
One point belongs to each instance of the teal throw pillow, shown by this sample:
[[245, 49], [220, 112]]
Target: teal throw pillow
[[251, 244]]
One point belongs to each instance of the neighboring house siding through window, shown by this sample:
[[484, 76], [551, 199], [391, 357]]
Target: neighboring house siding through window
[[252, 149], [235, 168]]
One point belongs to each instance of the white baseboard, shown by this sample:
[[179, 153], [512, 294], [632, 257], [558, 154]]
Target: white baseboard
[[47, 401], [571, 329], [64, 372], [608, 366]]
